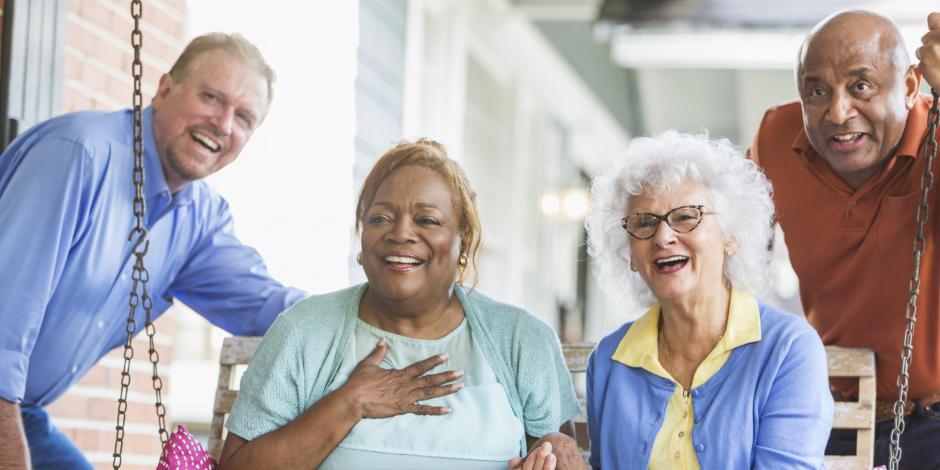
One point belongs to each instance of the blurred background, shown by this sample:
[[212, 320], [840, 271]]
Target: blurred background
[[531, 96]]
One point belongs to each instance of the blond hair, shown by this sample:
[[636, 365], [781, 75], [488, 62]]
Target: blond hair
[[234, 44]]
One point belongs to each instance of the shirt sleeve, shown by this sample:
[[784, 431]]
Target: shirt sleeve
[[270, 390], [543, 381], [593, 422], [41, 207], [228, 283], [797, 417]]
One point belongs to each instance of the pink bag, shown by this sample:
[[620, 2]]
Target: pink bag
[[183, 452]]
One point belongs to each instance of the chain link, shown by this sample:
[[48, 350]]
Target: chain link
[[926, 182], [140, 275]]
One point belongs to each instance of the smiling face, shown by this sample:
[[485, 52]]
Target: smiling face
[[856, 89], [204, 117], [679, 267], [411, 237]]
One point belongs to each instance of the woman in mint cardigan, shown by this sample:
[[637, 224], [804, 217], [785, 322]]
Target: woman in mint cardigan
[[709, 377], [410, 370]]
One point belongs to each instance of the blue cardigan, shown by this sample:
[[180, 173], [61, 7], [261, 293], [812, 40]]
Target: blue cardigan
[[769, 407]]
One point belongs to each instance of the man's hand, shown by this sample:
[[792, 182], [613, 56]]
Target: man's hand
[[554, 450], [381, 393], [13, 449], [929, 52]]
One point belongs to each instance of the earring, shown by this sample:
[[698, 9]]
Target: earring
[[359, 258], [729, 252], [462, 259], [633, 267]]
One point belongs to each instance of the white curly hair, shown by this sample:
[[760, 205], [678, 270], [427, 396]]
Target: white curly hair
[[660, 164]]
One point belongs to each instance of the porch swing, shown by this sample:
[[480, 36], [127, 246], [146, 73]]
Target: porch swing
[[243, 348]]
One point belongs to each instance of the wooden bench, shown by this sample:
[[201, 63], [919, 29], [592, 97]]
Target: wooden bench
[[843, 362]]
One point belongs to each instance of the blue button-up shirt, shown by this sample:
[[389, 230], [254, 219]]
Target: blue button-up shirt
[[66, 195]]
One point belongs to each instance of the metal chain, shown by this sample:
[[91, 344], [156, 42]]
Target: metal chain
[[140, 274], [926, 182]]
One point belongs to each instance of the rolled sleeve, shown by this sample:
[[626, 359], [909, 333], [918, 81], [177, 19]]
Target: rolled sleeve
[[13, 380]]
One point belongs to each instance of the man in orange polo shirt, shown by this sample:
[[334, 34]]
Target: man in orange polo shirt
[[846, 164]]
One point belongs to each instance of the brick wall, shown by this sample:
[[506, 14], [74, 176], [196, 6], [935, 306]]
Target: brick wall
[[98, 59]]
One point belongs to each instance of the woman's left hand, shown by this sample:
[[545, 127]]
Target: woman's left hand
[[554, 450]]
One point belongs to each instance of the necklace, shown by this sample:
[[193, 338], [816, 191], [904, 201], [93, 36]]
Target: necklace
[[667, 364]]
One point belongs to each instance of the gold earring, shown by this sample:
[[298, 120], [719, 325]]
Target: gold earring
[[462, 259], [633, 267], [359, 258]]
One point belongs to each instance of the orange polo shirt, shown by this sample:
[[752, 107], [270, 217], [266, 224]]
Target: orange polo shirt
[[852, 248]]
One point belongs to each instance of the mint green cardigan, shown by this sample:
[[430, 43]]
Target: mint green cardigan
[[302, 353]]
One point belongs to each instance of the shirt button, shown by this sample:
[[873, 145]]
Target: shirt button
[[700, 447], [99, 324], [681, 433], [696, 393], [677, 454], [123, 277], [74, 369]]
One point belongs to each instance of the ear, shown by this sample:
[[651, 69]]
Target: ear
[[911, 86], [163, 90], [732, 247]]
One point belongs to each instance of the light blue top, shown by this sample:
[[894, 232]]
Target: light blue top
[[768, 407], [66, 193], [480, 409], [305, 349]]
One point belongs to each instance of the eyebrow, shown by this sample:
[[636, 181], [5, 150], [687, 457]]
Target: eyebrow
[[420, 205]]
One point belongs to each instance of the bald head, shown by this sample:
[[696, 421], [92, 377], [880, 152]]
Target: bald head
[[855, 30]]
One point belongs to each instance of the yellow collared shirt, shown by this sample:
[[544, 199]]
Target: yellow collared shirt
[[672, 448]]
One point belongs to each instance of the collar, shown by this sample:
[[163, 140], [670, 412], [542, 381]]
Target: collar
[[639, 346], [154, 179], [915, 128]]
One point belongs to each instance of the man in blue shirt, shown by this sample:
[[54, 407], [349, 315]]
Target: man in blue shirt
[[66, 209]]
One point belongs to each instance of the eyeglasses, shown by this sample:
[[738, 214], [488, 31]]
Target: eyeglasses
[[682, 219]]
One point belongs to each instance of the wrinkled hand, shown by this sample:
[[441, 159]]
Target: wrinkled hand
[[929, 52], [382, 393], [563, 451]]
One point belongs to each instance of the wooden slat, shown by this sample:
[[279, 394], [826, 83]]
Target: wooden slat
[[852, 415], [224, 401], [576, 355], [239, 349], [846, 362], [845, 462]]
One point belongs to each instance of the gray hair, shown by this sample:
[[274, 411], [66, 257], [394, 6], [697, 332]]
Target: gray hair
[[234, 44], [660, 164]]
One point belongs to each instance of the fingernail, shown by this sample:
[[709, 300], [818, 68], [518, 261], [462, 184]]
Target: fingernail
[[382, 342], [444, 356], [459, 373], [458, 385], [446, 411]]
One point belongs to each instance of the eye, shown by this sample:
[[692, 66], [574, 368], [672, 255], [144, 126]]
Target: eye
[[427, 220], [862, 87], [817, 92], [209, 96], [245, 119], [645, 220], [379, 219]]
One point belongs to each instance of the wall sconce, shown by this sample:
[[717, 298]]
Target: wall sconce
[[568, 204]]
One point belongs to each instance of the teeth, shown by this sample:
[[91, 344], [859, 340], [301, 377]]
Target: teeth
[[402, 259], [205, 140], [670, 260], [847, 137]]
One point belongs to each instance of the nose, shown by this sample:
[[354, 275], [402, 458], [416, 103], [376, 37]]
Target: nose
[[664, 236], [401, 231], [224, 120], [841, 108]]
